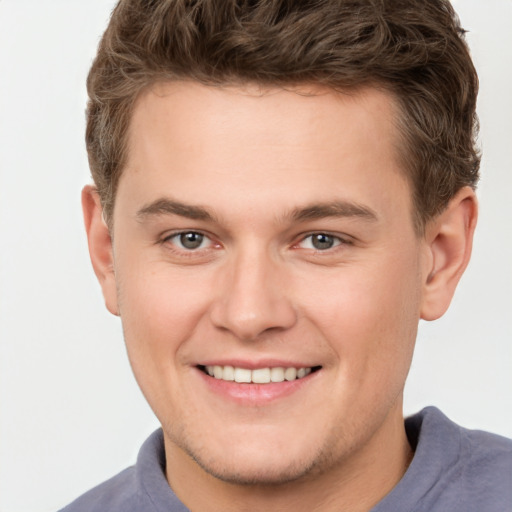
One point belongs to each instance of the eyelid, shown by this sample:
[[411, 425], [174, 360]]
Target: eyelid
[[340, 239], [168, 236]]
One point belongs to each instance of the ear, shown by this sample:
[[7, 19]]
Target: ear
[[100, 246], [449, 239]]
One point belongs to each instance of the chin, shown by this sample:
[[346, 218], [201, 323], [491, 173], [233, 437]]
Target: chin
[[257, 464], [256, 473]]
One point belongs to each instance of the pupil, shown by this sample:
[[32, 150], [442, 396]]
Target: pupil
[[191, 240], [322, 241]]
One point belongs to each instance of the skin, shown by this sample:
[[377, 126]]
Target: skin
[[257, 172]]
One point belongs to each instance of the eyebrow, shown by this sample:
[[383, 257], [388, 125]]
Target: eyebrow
[[333, 209], [165, 206]]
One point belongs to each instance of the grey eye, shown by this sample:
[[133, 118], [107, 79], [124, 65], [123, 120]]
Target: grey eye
[[191, 240], [321, 241]]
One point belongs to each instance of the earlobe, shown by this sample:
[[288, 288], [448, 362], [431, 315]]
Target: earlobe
[[449, 239], [100, 246]]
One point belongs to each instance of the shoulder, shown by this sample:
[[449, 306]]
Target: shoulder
[[473, 468], [116, 494], [453, 469], [476, 452], [486, 468], [140, 488], [486, 449]]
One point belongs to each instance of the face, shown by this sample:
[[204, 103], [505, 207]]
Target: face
[[267, 274]]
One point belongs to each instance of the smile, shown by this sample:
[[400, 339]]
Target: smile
[[258, 375]]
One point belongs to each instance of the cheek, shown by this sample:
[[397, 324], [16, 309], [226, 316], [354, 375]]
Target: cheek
[[369, 315], [159, 312]]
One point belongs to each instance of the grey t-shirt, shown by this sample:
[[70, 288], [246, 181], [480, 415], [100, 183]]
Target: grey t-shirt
[[453, 470]]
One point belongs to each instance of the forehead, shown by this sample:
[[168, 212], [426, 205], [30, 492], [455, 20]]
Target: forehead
[[226, 145], [309, 114]]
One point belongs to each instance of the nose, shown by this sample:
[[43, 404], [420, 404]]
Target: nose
[[252, 298]]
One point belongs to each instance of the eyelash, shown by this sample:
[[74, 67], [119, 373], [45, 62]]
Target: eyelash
[[337, 242], [167, 240]]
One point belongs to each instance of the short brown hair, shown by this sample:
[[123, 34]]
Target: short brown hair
[[414, 49]]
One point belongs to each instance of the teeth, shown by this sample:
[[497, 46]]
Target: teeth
[[261, 376], [228, 373], [242, 375], [218, 372], [257, 376], [277, 374], [290, 373]]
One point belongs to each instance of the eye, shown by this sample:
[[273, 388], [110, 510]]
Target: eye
[[320, 241], [189, 240]]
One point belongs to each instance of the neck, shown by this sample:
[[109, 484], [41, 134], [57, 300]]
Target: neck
[[355, 484]]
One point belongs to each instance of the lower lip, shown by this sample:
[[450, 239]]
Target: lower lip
[[255, 394]]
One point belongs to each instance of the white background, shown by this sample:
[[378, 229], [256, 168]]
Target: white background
[[71, 413]]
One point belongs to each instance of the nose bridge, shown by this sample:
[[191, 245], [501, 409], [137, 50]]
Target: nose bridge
[[252, 297]]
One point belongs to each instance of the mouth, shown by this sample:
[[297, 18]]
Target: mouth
[[257, 375]]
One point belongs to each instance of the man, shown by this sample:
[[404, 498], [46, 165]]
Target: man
[[282, 190]]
